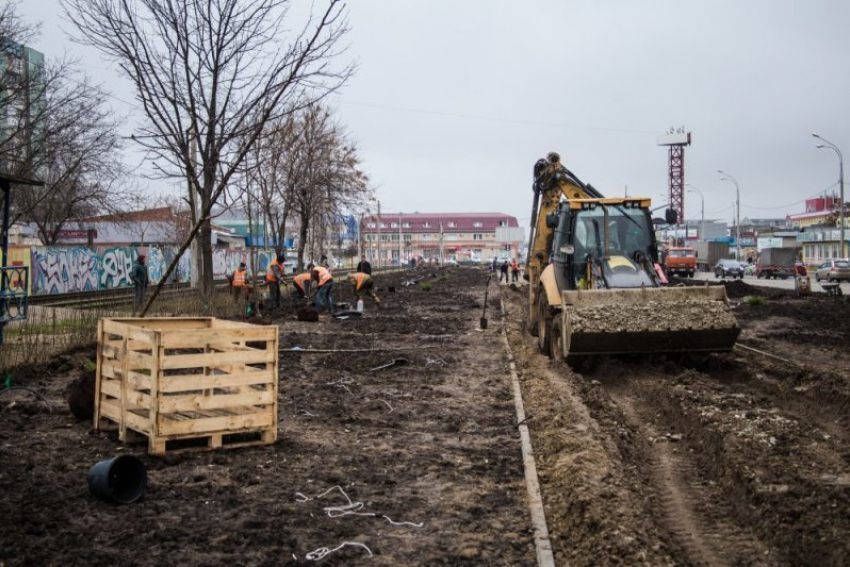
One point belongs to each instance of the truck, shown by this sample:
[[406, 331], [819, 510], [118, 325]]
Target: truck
[[709, 253], [596, 286], [777, 263], [680, 261]]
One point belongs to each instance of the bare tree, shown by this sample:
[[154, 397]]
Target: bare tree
[[80, 165], [325, 177], [210, 74], [56, 128]]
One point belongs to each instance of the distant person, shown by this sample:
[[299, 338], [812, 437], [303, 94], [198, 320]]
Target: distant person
[[364, 267], [274, 276], [239, 281], [322, 276], [514, 271], [140, 279], [503, 269]]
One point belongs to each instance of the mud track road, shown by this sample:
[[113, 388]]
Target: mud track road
[[428, 454], [737, 460]]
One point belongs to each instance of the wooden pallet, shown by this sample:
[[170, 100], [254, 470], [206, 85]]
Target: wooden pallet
[[179, 379]]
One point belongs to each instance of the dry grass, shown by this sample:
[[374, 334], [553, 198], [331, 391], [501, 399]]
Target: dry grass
[[48, 331]]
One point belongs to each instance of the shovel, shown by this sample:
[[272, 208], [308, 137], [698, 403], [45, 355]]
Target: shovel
[[483, 321]]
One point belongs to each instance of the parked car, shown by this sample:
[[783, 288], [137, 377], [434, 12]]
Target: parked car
[[728, 268], [833, 270]]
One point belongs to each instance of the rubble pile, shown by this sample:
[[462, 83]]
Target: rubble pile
[[652, 316]]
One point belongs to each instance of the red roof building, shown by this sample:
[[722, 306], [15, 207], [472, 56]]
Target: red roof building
[[441, 236]]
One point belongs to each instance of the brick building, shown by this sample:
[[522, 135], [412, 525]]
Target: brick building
[[459, 237]]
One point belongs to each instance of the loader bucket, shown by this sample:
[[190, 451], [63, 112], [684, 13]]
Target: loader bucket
[[647, 320]]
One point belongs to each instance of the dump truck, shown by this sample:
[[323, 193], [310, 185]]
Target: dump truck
[[709, 253], [777, 263], [596, 286], [680, 261]]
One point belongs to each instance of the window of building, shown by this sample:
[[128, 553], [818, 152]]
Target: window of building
[[477, 237], [426, 225], [383, 225], [395, 237], [394, 225], [383, 238], [370, 225], [503, 223], [451, 224], [478, 224], [408, 237], [405, 225]]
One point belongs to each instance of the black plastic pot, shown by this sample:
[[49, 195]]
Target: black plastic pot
[[121, 479]]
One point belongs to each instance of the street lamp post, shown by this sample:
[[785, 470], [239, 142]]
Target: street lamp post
[[727, 177], [833, 147], [701, 211]]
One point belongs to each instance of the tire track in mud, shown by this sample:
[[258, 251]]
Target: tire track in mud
[[681, 493]]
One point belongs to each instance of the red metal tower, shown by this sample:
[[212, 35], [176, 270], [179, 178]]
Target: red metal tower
[[676, 141]]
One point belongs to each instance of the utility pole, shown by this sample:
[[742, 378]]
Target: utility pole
[[379, 235], [737, 212], [827, 144], [400, 242]]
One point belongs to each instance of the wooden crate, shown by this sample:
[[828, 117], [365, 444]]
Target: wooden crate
[[182, 381]]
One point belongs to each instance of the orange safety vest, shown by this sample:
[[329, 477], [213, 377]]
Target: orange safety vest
[[359, 278], [239, 278], [324, 275], [270, 277], [301, 279]]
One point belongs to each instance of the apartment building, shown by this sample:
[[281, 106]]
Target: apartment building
[[393, 237]]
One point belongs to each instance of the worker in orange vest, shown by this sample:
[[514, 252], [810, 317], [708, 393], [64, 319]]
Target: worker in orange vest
[[274, 277], [240, 281], [322, 276], [301, 283], [363, 283]]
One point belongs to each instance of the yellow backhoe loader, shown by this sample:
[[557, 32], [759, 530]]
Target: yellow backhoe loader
[[595, 283]]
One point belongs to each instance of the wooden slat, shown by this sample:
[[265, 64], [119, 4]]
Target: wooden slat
[[98, 377], [190, 382], [202, 338], [139, 381], [139, 360], [128, 331], [216, 359], [109, 370], [169, 404], [230, 424], [118, 344]]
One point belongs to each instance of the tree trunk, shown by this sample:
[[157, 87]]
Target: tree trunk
[[205, 235], [302, 239]]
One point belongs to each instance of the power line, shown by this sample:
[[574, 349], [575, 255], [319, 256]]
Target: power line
[[490, 118]]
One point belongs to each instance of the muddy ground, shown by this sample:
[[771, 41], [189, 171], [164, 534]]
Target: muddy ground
[[430, 449], [737, 459]]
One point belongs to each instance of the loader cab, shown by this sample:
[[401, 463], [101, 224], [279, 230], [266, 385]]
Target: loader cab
[[603, 243]]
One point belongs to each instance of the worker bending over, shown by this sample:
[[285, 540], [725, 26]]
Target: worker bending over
[[301, 283], [362, 283], [322, 276]]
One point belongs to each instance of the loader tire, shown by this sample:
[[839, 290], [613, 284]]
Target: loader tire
[[555, 350], [544, 321]]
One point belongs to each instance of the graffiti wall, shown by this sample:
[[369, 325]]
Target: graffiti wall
[[69, 270]]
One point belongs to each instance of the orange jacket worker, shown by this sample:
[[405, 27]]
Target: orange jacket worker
[[325, 280]]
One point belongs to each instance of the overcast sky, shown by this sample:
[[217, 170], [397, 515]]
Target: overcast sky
[[454, 101]]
